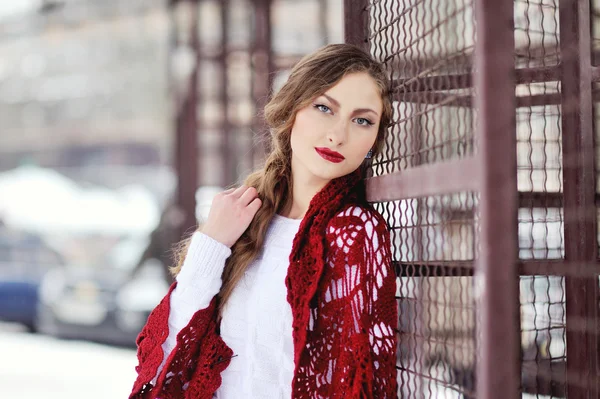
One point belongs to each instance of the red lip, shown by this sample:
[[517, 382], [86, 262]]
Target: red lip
[[329, 155]]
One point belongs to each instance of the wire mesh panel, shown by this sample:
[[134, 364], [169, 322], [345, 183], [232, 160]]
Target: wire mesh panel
[[427, 47], [433, 243], [430, 49], [539, 177]]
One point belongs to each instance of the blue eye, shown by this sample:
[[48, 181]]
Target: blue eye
[[322, 108], [364, 122]]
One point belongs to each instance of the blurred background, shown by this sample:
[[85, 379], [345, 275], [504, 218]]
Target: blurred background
[[119, 121]]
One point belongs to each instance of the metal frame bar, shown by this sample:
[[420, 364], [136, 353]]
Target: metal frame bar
[[498, 371], [323, 25], [579, 195], [263, 74], [431, 179], [228, 148], [460, 268], [433, 97], [356, 23], [465, 81], [536, 199], [186, 129]]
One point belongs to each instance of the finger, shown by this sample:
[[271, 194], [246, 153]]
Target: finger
[[229, 190], [248, 196], [239, 191], [255, 205]]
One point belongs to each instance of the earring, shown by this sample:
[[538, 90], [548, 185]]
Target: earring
[[369, 154]]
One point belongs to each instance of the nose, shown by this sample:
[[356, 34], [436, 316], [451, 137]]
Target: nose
[[338, 133]]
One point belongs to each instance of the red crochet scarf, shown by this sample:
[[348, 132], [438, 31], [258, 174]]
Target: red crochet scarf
[[341, 289]]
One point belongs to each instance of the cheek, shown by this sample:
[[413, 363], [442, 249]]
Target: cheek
[[302, 129], [297, 141], [360, 147], [365, 143]]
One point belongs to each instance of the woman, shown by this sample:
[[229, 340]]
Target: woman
[[287, 291]]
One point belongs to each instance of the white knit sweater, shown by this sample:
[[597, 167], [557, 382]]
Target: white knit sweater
[[257, 320]]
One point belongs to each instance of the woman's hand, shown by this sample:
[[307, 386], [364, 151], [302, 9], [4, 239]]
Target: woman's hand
[[231, 213]]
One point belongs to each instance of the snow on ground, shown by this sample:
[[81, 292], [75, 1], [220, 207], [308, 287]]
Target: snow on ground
[[35, 366]]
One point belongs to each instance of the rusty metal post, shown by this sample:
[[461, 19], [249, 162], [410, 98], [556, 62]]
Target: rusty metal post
[[227, 147], [186, 142], [579, 184], [356, 23], [262, 79], [496, 279], [420, 326]]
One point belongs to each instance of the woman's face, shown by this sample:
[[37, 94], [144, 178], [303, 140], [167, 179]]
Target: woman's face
[[332, 135]]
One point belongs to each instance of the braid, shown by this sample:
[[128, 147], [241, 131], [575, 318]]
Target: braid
[[273, 185]]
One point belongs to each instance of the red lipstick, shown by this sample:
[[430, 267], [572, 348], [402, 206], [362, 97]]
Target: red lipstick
[[330, 155]]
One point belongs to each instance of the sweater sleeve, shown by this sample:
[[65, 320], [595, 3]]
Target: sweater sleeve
[[361, 289], [197, 283], [174, 330]]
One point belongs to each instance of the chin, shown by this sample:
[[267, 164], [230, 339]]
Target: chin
[[329, 174]]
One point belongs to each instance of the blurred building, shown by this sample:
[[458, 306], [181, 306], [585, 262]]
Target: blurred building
[[83, 88], [86, 85]]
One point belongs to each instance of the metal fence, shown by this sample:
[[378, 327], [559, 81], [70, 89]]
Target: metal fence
[[488, 183]]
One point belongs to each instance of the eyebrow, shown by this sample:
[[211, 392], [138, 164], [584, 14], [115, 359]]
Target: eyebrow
[[337, 104]]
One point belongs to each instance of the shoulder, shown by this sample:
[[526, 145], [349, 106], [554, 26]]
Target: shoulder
[[356, 217], [357, 226]]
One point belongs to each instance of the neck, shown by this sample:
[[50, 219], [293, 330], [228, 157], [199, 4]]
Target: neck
[[304, 188]]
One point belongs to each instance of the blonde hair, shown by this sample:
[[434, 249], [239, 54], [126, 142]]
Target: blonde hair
[[312, 76]]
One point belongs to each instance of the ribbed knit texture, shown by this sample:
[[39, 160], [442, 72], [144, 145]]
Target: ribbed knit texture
[[257, 323]]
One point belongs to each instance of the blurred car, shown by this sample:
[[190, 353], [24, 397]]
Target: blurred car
[[105, 303], [24, 259]]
